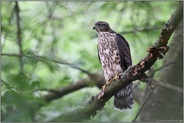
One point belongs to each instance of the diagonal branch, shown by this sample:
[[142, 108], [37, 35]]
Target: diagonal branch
[[98, 80], [131, 74], [145, 100], [92, 79]]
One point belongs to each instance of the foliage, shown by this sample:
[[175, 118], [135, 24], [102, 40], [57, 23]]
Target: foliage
[[63, 31]]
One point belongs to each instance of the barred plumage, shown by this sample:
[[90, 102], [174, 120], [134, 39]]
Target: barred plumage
[[114, 55]]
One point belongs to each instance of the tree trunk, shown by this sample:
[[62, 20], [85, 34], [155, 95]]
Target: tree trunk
[[164, 104]]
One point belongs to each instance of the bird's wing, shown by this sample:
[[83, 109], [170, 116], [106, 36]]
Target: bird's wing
[[98, 54], [124, 51]]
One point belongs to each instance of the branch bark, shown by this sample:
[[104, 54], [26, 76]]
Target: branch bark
[[94, 79], [98, 80], [132, 73]]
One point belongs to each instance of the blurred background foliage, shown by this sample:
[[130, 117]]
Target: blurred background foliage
[[63, 31]]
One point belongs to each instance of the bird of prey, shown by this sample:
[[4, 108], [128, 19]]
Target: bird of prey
[[114, 55]]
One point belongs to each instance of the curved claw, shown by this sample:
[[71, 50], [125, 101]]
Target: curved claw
[[109, 82]]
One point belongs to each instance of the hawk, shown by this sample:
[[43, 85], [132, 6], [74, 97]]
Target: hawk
[[114, 55]]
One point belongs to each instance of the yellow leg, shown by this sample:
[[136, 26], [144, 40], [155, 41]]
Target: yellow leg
[[108, 82]]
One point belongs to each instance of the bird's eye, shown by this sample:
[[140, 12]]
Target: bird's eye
[[100, 25]]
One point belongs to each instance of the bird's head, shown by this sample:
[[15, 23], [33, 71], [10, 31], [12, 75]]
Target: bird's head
[[102, 26]]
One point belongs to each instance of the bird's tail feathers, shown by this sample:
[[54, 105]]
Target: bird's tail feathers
[[124, 99]]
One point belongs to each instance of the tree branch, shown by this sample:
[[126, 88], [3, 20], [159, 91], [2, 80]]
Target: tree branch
[[152, 71], [163, 84], [64, 63], [131, 74], [19, 35], [41, 58], [94, 79], [140, 30], [99, 81]]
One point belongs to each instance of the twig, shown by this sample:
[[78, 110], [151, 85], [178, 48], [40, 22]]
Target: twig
[[166, 65], [7, 54], [163, 84], [40, 58], [51, 10], [68, 89], [152, 71], [19, 35], [140, 109], [7, 85], [65, 63], [140, 30]]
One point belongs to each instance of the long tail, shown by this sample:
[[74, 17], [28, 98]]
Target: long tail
[[124, 99]]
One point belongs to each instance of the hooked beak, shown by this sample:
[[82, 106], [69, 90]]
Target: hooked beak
[[94, 27]]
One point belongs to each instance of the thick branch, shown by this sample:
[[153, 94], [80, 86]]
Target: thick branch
[[94, 79], [98, 80], [132, 73]]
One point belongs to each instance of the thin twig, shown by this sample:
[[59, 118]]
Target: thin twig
[[6, 84], [40, 58], [152, 71], [8, 54], [51, 10], [166, 65], [140, 30], [65, 63], [164, 84]]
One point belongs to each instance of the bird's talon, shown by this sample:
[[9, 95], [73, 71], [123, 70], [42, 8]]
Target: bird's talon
[[108, 82], [116, 77], [103, 88]]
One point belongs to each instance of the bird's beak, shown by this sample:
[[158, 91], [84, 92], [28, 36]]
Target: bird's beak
[[94, 27]]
